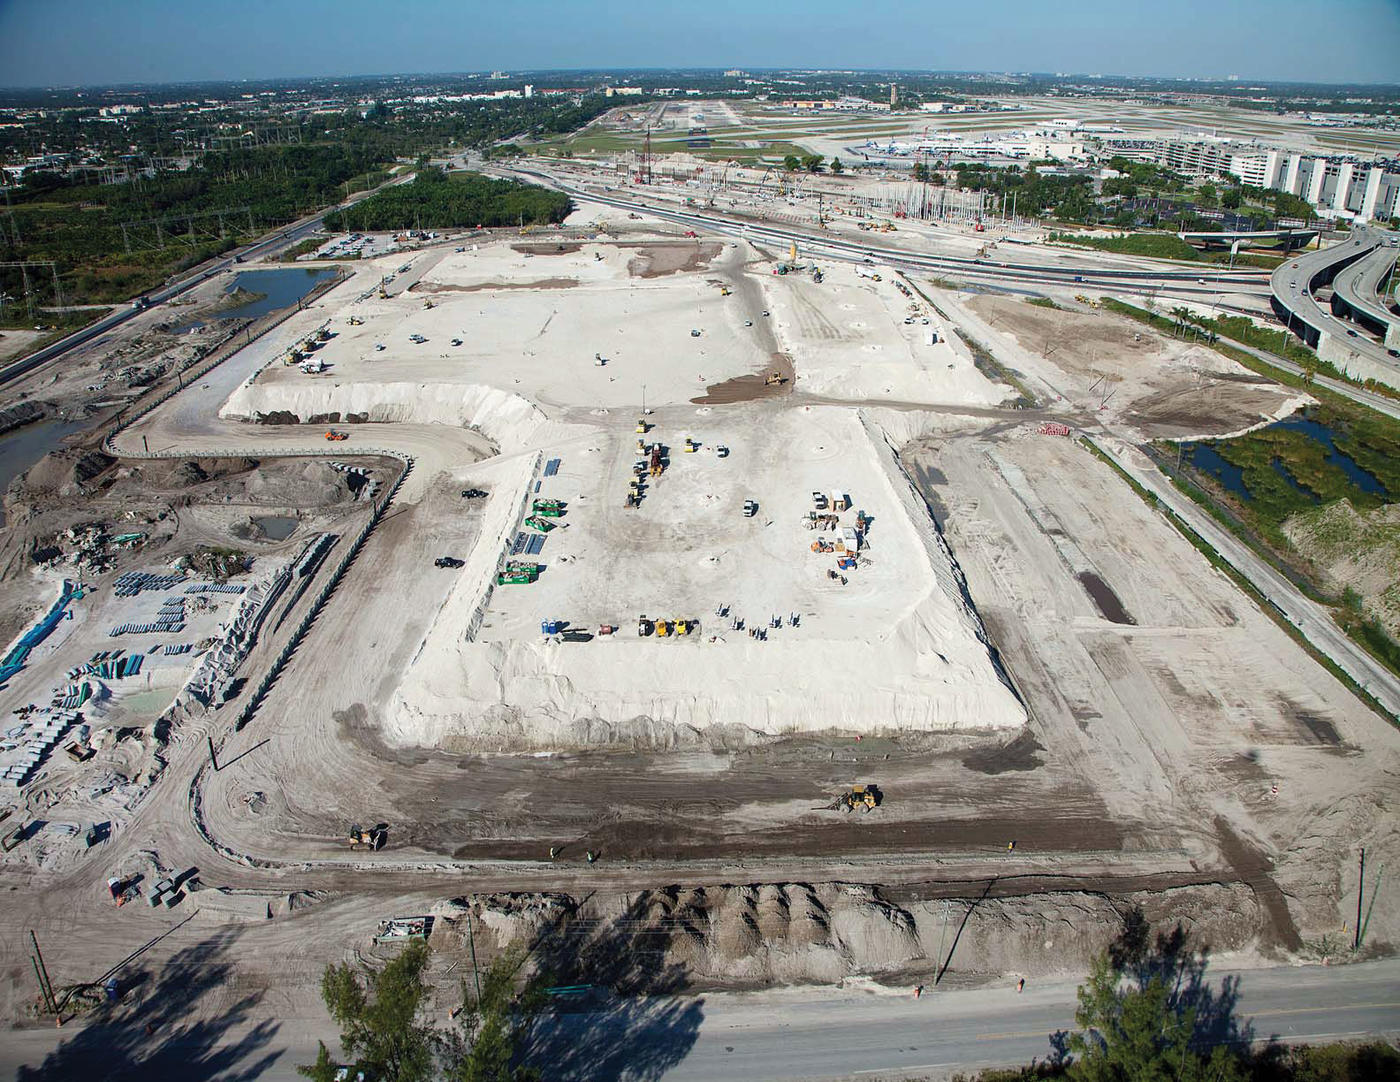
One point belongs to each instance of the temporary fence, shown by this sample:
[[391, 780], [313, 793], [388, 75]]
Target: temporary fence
[[255, 700]]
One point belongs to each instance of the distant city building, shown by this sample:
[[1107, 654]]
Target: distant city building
[[844, 104], [1339, 186]]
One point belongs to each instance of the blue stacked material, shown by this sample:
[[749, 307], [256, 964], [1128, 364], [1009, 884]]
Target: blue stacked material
[[15, 659], [134, 582], [214, 588]]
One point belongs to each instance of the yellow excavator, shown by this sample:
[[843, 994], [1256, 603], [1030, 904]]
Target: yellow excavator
[[368, 837]]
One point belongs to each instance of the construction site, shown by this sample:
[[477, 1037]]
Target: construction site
[[571, 586]]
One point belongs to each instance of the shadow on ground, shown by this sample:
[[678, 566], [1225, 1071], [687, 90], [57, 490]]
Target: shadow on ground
[[155, 1032], [632, 1024]]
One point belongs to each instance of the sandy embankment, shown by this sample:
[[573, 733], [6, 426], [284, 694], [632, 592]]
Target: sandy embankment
[[506, 418]]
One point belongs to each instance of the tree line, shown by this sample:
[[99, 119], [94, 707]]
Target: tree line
[[435, 200]]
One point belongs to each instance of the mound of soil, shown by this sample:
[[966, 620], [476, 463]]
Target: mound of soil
[[297, 484]]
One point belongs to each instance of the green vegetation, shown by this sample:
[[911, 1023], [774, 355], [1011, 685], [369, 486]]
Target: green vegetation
[[1140, 176], [1042, 302], [301, 248], [434, 200], [383, 1030], [113, 241], [1148, 1012], [1033, 193], [1158, 245], [1288, 468]]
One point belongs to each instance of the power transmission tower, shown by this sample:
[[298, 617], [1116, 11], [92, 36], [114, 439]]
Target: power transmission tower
[[23, 266]]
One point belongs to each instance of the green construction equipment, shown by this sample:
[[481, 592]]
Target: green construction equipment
[[518, 573]]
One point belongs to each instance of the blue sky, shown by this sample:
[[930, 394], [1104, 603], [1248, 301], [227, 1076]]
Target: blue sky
[[65, 42]]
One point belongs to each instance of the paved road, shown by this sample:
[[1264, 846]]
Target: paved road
[[773, 1036], [839, 247], [1292, 284], [1314, 621], [1359, 287]]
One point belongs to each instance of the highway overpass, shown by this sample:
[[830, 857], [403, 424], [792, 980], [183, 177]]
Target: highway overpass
[[1288, 239], [1358, 292], [1294, 301]]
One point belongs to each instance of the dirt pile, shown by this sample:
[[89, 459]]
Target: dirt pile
[[61, 473], [757, 935], [298, 484], [658, 259], [1356, 549]]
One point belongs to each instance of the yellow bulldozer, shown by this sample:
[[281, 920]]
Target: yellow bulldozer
[[864, 797]]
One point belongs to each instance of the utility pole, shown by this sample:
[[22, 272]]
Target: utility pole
[[43, 971], [43, 989], [213, 759], [938, 970], [476, 976], [1360, 889]]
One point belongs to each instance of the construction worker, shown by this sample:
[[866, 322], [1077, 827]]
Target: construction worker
[[1020, 986]]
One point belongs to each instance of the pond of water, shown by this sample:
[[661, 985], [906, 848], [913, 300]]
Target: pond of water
[[276, 527], [280, 288], [22, 447]]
